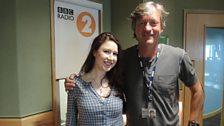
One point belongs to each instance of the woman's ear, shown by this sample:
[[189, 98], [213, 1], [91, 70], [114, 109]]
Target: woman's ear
[[94, 53]]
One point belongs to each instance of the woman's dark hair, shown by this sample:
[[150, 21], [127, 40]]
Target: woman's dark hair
[[114, 75]]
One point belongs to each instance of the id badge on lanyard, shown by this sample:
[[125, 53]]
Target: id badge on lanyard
[[149, 111]]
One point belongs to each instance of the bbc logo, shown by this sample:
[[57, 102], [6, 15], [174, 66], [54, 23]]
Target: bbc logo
[[65, 11]]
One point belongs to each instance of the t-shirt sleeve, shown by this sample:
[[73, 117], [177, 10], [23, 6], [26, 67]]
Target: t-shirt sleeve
[[187, 71]]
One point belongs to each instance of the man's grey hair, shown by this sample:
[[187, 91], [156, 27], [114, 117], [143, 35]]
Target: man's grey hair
[[148, 8]]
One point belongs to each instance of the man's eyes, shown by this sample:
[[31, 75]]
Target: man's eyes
[[152, 23]]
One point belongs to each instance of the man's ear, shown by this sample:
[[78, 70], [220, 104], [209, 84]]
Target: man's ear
[[161, 31]]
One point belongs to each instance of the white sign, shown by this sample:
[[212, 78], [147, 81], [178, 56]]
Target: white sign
[[76, 25]]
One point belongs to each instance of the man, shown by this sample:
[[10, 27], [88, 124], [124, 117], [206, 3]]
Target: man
[[151, 73]]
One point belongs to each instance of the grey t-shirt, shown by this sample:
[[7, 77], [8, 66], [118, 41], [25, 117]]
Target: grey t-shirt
[[173, 64]]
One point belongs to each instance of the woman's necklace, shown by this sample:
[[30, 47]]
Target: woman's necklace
[[104, 90]]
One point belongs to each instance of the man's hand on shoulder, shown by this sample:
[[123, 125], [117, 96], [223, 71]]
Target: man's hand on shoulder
[[69, 82]]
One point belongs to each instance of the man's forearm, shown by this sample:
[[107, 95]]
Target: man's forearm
[[197, 101]]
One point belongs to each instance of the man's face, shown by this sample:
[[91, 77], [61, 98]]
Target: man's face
[[148, 29]]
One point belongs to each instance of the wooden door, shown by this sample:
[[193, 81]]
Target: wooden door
[[195, 24]]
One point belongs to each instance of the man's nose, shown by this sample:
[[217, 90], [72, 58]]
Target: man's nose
[[148, 26]]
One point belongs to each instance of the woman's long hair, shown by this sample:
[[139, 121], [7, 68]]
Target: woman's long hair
[[114, 75]]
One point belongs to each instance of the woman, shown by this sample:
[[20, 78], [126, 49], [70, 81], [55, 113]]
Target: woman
[[97, 99]]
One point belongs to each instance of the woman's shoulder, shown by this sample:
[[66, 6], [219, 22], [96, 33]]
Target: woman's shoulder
[[78, 78], [80, 81]]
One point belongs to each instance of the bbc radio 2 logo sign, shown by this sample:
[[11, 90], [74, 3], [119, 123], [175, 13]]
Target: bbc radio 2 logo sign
[[85, 22], [65, 13]]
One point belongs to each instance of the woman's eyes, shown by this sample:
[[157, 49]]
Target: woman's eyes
[[115, 54], [110, 52], [107, 51]]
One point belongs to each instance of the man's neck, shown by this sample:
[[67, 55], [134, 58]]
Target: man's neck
[[148, 51]]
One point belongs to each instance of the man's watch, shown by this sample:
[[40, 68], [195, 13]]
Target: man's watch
[[193, 123]]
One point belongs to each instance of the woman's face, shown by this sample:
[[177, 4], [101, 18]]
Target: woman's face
[[106, 56]]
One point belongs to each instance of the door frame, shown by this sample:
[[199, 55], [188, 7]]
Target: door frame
[[197, 55]]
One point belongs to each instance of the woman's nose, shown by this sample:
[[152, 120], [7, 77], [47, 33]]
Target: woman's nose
[[112, 57]]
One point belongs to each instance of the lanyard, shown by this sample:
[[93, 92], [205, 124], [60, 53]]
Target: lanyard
[[149, 76]]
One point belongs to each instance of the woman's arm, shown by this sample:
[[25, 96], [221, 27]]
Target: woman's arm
[[71, 115]]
